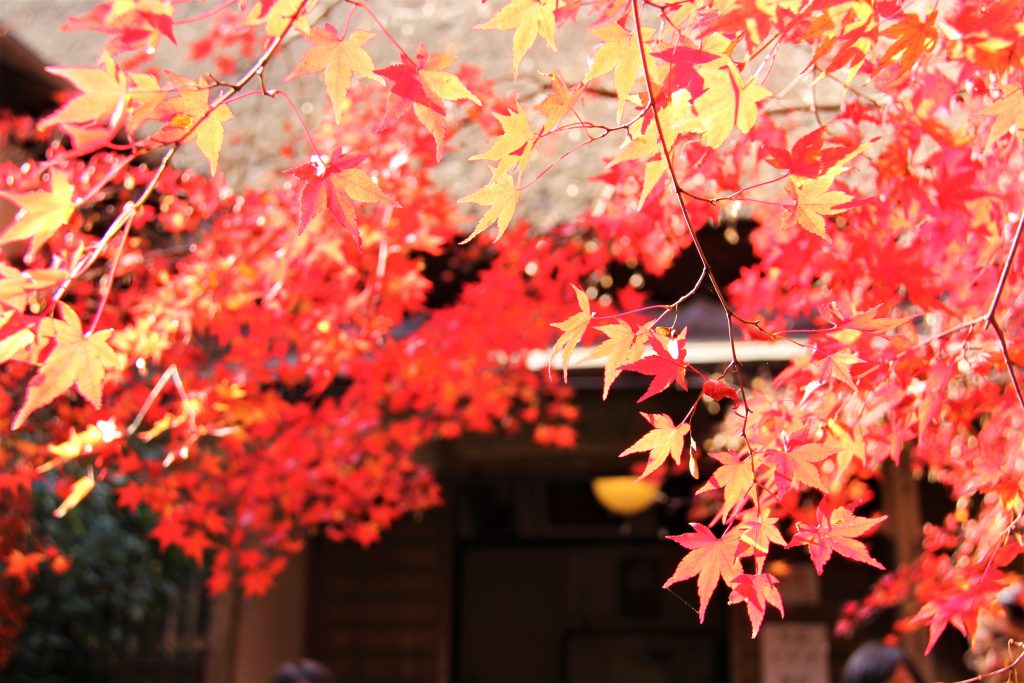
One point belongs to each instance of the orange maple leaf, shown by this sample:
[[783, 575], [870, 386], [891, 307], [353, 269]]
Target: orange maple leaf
[[665, 440], [529, 18], [558, 103], [735, 476], [21, 565], [913, 39], [74, 359], [572, 329], [814, 201], [42, 213], [338, 59], [189, 118], [710, 559]]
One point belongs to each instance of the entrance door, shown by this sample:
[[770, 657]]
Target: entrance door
[[594, 612]]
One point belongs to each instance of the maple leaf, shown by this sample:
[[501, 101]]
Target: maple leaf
[[21, 565], [422, 85], [716, 390], [809, 157], [189, 118], [735, 476], [757, 591], [42, 213], [913, 38], [797, 466], [501, 196], [529, 18], [1007, 114], [683, 73], [74, 359], [814, 201], [102, 99], [664, 368], [757, 535], [558, 103], [726, 102], [79, 490], [623, 346], [837, 530], [338, 59], [333, 187], [865, 321], [516, 139], [665, 440], [618, 51], [572, 329], [710, 559]]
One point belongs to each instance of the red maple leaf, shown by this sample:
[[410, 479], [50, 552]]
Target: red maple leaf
[[682, 74], [710, 558], [757, 591], [333, 187], [664, 368], [837, 530]]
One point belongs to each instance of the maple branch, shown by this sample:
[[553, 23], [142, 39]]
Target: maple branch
[[383, 29], [109, 284], [131, 207], [207, 14], [170, 374], [990, 316], [1006, 669]]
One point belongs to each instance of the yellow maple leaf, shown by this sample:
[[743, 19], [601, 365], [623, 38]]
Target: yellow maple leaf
[[103, 96], [529, 18], [281, 15], [42, 212], [501, 195], [814, 201], [74, 359], [665, 440], [338, 59], [623, 346], [572, 329], [516, 138], [79, 490], [726, 102], [618, 52]]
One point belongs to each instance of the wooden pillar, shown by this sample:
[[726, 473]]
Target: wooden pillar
[[901, 500]]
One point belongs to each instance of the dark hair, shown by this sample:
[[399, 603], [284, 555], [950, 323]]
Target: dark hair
[[875, 662], [304, 671]]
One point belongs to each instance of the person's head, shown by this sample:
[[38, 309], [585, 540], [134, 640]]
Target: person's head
[[876, 662], [991, 648], [304, 671]]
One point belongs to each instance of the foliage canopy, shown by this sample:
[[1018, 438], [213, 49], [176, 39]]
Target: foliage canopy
[[877, 144]]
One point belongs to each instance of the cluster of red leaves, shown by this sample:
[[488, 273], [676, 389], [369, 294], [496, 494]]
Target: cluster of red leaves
[[889, 224]]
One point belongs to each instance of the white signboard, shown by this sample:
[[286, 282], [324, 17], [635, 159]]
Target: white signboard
[[793, 652]]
